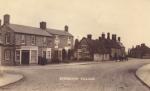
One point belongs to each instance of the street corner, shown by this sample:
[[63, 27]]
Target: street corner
[[10, 78], [143, 74]]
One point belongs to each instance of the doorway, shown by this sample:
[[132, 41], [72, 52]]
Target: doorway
[[25, 57]]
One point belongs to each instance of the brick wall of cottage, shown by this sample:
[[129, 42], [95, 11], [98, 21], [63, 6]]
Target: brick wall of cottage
[[64, 41], [7, 46], [39, 41]]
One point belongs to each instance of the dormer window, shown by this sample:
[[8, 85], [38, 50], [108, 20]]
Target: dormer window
[[33, 40], [7, 38], [22, 39]]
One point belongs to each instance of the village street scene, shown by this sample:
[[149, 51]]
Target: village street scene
[[74, 46]]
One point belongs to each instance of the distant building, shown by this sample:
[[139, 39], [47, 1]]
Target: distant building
[[140, 51], [99, 49], [21, 44]]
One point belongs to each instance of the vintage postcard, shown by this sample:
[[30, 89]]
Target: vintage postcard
[[74, 45]]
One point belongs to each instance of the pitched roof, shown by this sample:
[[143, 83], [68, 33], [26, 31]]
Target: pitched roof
[[102, 46], [28, 30], [58, 32]]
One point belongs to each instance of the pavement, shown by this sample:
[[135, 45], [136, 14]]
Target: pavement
[[143, 74], [9, 78], [98, 76]]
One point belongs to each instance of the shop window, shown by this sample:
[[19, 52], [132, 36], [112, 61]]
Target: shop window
[[49, 54], [7, 55], [33, 56], [18, 55]]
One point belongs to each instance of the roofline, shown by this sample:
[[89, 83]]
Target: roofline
[[27, 33], [61, 34], [33, 34]]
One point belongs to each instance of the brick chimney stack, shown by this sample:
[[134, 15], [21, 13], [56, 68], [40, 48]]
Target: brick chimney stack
[[43, 25], [89, 36], [119, 39], [108, 35], [103, 35], [100, 38], [66, 28], [6, 19], [114, 37]]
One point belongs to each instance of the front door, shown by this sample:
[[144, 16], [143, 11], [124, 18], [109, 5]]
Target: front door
[[25, 57]]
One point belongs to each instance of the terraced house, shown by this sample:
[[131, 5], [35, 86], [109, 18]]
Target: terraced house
[[25, 44]]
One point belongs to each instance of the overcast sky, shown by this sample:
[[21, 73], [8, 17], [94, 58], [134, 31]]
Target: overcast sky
[[129, 19]]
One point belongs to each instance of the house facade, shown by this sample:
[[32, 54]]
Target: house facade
[[100, 49], [25, 44], [140, 51], [62, 42]]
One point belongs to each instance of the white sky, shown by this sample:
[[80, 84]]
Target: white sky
[[129, 19]]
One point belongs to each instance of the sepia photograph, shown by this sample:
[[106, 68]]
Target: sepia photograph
[[74, 45]]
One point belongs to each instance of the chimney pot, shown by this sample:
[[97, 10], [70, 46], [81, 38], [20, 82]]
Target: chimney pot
[[89, 36], [103, 35], [43, 25], [66, 28], [6, 19], [108, 35]]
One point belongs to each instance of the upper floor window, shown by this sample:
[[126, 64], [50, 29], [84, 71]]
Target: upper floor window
[[56, 41], [44, 40], [69, 41], [7, 38], [33, 40], [22, 39]]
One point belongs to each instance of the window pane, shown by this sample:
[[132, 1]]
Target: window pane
[[7, 55], [17, 55]]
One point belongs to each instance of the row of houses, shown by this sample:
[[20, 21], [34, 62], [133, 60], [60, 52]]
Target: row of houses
[[140, 51], [21, 44], [99, 49]]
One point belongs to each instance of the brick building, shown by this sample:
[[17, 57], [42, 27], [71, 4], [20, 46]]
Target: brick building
[[140, 51], [21, 44], [99, 49], [63, 42]]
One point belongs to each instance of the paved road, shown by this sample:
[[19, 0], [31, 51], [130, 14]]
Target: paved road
[[106, 76]]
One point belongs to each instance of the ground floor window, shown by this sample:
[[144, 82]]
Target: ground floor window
[[17, 55], [49, 54], [7, 55], [33, 56], [44, 54]]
